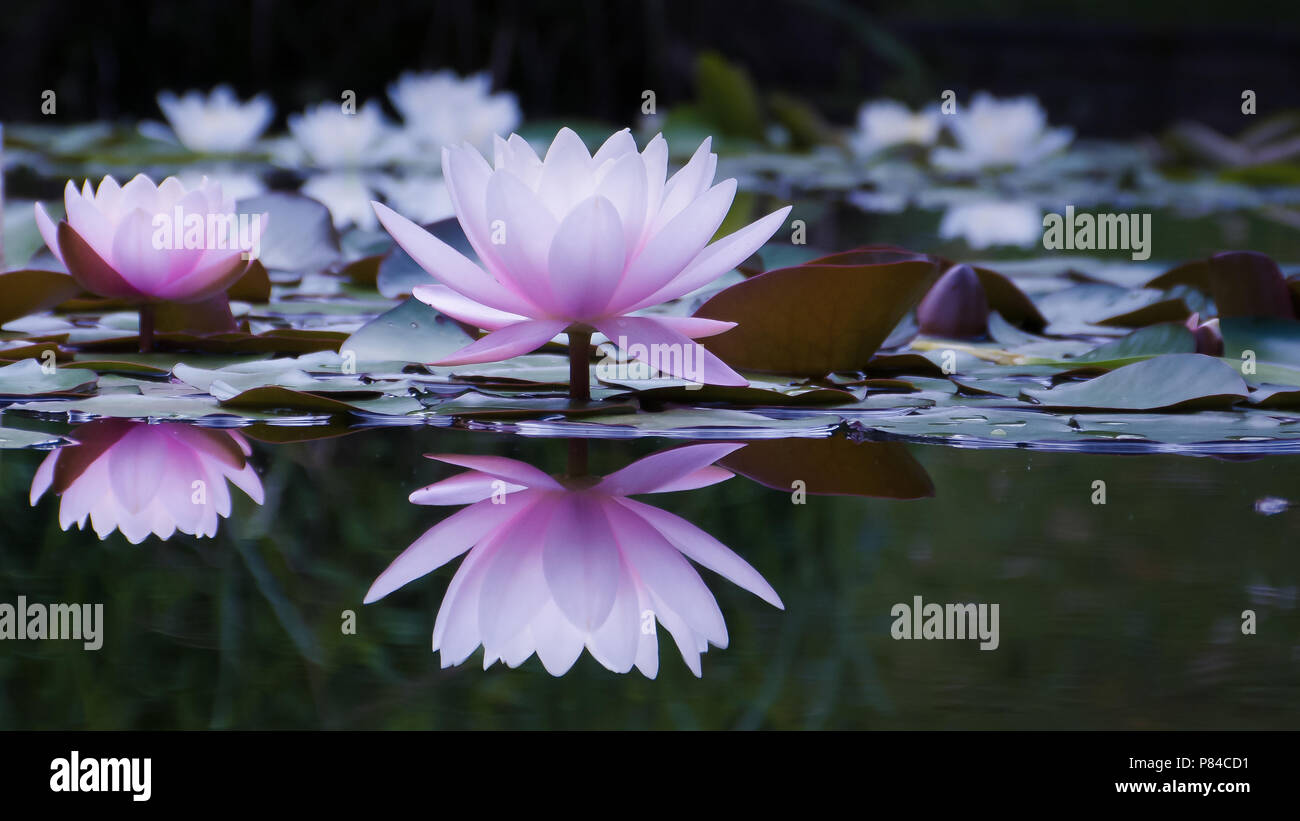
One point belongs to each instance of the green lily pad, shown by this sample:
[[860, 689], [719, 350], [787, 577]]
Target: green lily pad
[[29, 378], [1143, 343], [677, 419], [12, 438], [411, 332], [276, 398], [759, 391], [1171, 381], [134, 406], [299, 235]]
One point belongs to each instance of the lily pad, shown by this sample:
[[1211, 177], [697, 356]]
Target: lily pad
[[411, 332], [11, 438], [300, 234], [1172, 381], [26, 292], [29, 377], [812, 319], [1143, 343]]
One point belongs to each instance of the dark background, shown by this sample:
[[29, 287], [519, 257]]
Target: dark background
[[1109, 69]]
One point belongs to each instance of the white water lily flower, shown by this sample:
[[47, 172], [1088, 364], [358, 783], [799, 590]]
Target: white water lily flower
[[442, 109], [886, 123], [217, 123], [235, 183], [331, 138], [580, 240], [988, 223], [993, 133]]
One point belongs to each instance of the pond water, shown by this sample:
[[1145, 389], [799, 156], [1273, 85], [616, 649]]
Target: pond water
[[1122, 614]]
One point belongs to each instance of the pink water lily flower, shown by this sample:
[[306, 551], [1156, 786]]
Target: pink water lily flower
[[578, 242], [144, 478], [556, 564], [110, 243]]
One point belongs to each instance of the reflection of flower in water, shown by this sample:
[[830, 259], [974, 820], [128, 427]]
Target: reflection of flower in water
[[987, 223], [217, 123], [992, 132], [885, 123], [556, 564], [144, 478]]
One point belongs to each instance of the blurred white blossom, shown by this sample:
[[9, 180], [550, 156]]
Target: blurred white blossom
[[885, 123], [994, 133], [217, 123], [328, 137], [441, 108], [987, 223]]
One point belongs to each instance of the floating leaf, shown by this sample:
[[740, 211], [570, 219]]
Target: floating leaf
[[29, 378], [812, 319], [758, 392], [134, 406], [1242, 283], [276, 398], [1162, 383], [300, 234], [698, 419], [26, 292], [14, 438], [411, 332], [398, 273], [1141, 344]]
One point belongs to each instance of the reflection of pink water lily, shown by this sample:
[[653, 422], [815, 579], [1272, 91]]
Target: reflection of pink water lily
[[556, 564], [576, 242], [145, 478]]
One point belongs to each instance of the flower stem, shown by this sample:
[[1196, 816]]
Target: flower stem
[[146, 328], [577, 462], [579, 365]]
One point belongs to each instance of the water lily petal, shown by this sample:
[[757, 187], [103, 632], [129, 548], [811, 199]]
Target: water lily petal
[[445, 541], [449, 266], [670, 250], [705, 550], [669, 350], [501, 467], [458, 306], [586, 258], [652, 473], [718, 258], [512, 340]]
